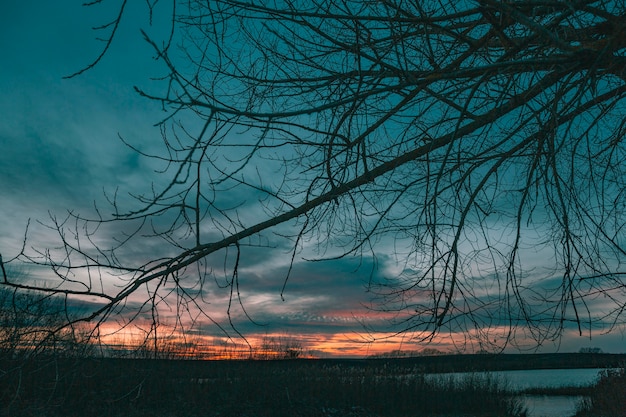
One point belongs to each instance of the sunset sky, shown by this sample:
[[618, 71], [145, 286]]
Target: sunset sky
[[59, 151]]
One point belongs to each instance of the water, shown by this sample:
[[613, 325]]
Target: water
[[551, 405], [549, 378], [543, 405]]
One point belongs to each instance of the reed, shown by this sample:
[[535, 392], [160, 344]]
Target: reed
[[249, 388]]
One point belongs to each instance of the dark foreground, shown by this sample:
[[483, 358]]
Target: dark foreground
[[307, 388]]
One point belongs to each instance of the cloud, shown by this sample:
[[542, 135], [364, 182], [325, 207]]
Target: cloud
[[61, 151]]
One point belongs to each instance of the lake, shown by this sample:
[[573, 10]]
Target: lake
[[550, 405], [544, 405]]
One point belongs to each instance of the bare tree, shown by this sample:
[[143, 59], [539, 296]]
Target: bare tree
[[465, 135]]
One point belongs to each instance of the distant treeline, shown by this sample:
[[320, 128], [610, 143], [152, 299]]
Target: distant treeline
[[180, 368], [510, 362]]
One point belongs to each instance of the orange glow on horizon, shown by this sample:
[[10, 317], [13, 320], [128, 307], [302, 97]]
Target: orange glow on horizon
[[174, 344]]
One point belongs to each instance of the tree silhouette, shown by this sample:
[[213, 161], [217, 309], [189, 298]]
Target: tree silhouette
[[469, 136]]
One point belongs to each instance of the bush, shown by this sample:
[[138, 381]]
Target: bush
[[608, 396]]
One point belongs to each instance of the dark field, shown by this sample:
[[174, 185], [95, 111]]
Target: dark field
[[308, 388]]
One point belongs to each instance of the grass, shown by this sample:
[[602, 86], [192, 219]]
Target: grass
[[246, 388]]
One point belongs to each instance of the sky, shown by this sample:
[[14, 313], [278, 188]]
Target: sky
[[60, 151]]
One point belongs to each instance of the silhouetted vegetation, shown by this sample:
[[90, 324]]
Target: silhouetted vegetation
[[31, 323], [53, 383], [124, 387], [608, 396]]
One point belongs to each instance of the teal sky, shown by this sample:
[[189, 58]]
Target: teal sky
[[60, 151]]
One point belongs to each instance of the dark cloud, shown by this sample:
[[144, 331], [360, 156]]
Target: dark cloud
[[60, 151]]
